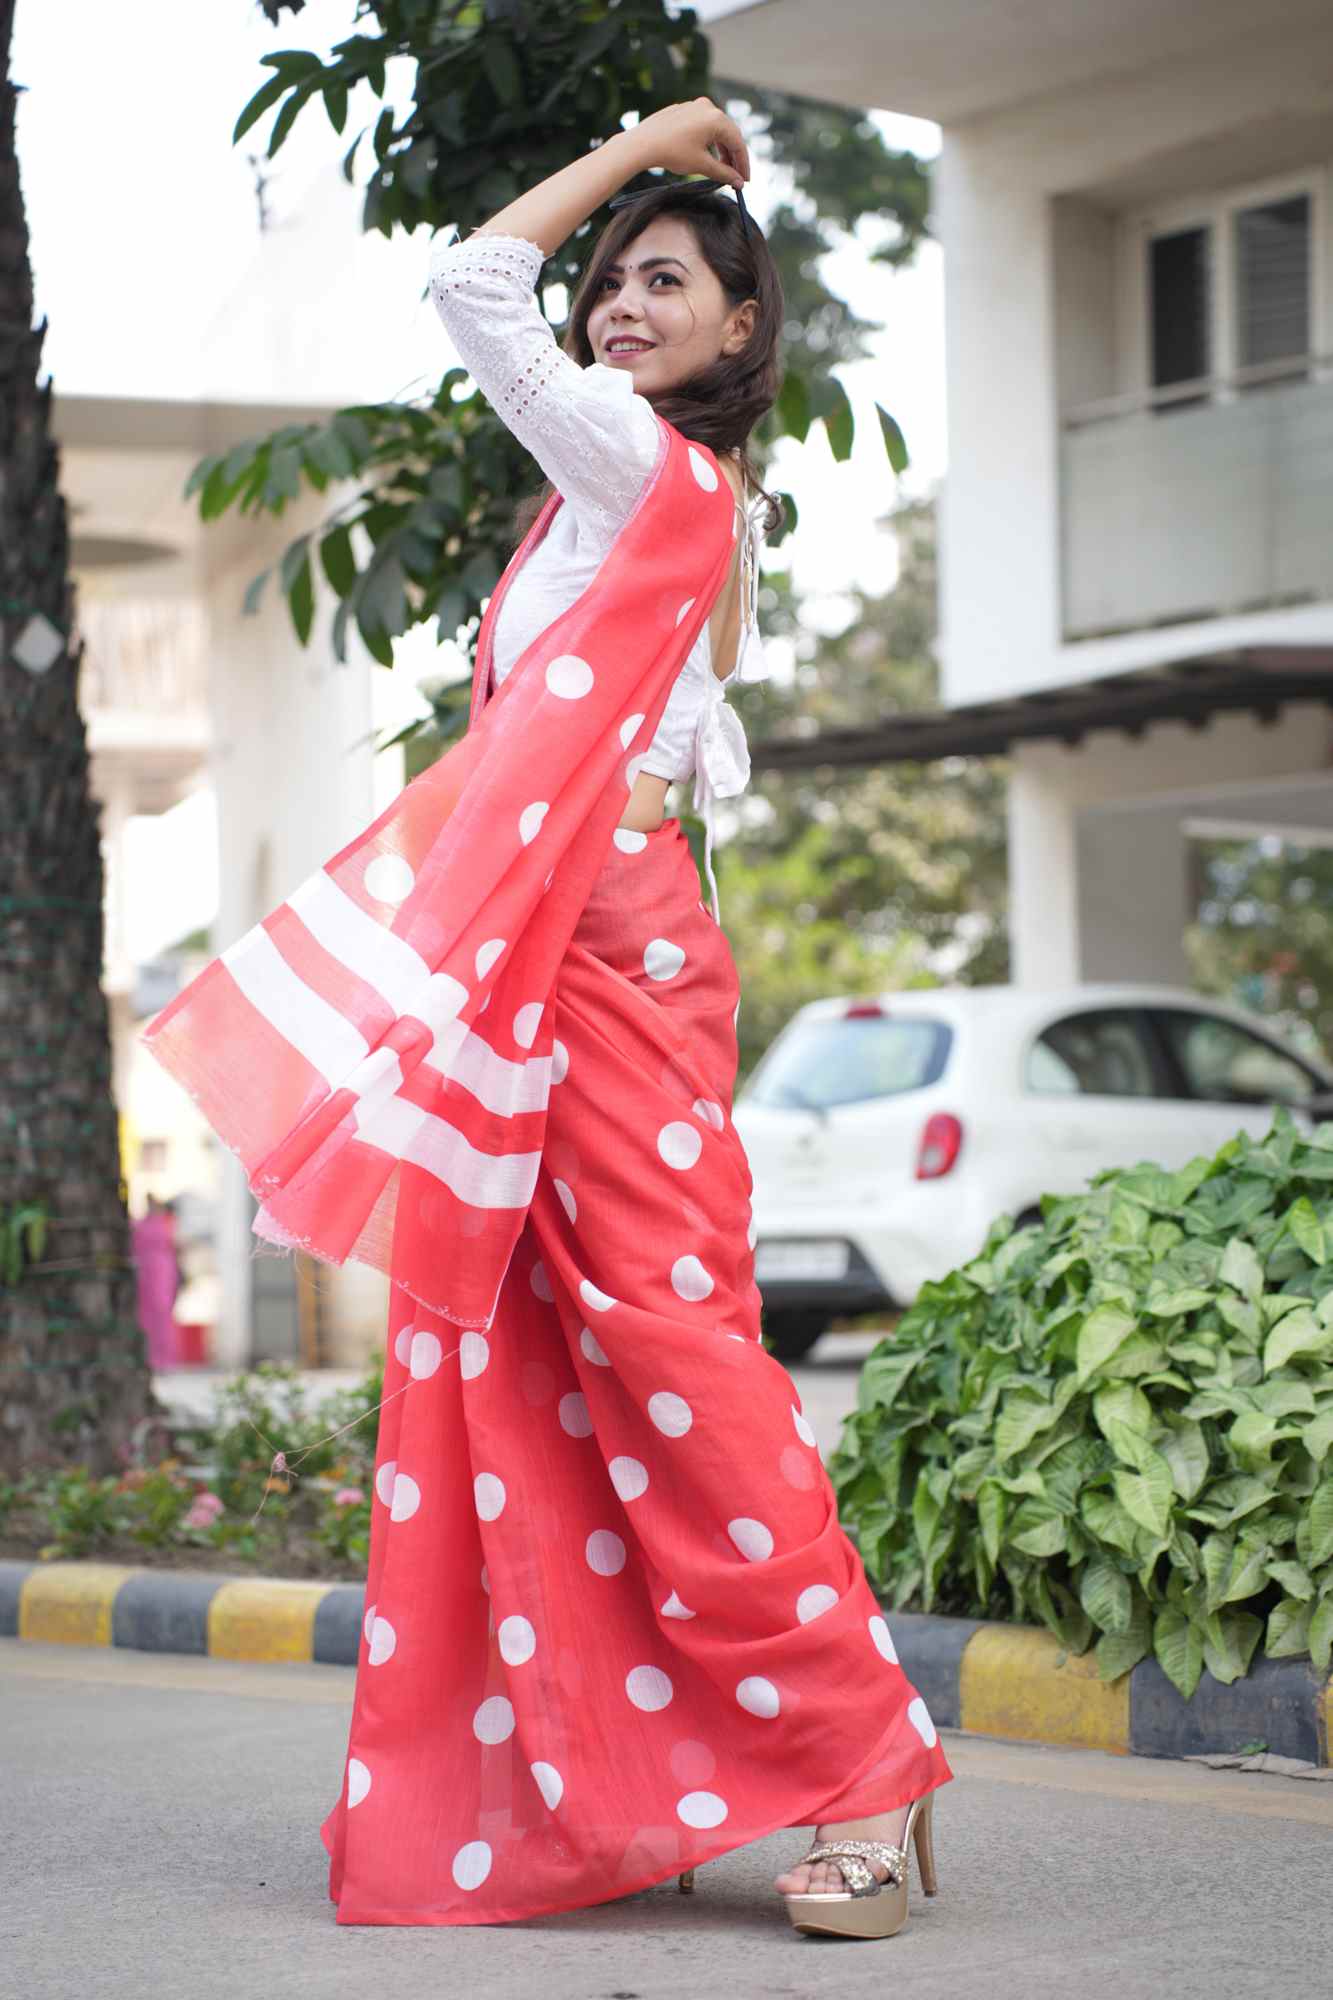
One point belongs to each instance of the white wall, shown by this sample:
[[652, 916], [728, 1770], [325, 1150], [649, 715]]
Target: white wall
[[1029, 206]]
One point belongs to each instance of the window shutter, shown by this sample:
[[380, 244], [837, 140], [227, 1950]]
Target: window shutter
[[1179, 306], [1273, 282]]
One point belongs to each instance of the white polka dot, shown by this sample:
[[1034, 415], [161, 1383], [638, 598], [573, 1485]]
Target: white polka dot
[[367, 1623], [402, 1345], [919, 1717], [427, 1354], [530, 820], [629, 729], [689, 1280], [671, 1413], [662, 959], [883, 1639], [384, 1480], [489, 1493], [629, 841], [487, 954], [814, 1601], [518, 1641], [406, 1498], [485, 1579], [598, 1301], [752, 1538], [388, 878], [549, 1783], [702, 470], [494, 1720], [559, 1062], [569, 677], [383, 1639], [526, 1023], [629, 1477], [605, 1552], [358, 1781], [539, 1279], [648, 1688], [704, 1107], [593, 1349], [758, 1696], [574, 1416], [679, 1144], [673, 1608], [701, 1809], [472, 1864], [685, 611], [565, 1196], [803, 1430], [474, 1351]]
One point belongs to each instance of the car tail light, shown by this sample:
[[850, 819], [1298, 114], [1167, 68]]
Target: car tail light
[[941, 1143], [863, 1010]]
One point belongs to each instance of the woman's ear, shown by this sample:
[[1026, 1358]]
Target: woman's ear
[[741, 327]]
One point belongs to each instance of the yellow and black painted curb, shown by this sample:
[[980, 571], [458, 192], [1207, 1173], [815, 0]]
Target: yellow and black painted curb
[[996, 1680]]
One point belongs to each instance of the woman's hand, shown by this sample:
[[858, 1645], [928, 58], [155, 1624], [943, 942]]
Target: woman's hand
[[694, 138]]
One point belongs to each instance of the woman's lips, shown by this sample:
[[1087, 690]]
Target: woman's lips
[[627, 353]]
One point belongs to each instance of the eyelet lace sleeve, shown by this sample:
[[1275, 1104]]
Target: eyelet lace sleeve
[[594, 438]]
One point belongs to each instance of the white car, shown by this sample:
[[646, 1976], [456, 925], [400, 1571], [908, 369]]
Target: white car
[[886, 1135]]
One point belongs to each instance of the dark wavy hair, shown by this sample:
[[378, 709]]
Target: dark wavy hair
[[721, 405]]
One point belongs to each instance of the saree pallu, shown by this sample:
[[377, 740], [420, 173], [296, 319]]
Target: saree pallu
[[612, 1625]]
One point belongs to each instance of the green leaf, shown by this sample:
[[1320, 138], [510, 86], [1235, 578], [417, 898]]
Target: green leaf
[[339, 564], [1318, 1437], [1297, 1332], [1146, 1497], [1321, 1634], [1178, 1646], [1108, 1521], [793, 405], [301, 597], [1185, 1450], [1248, 1571], [883, 1376], [1106, 1595], [335, 103], [1101, 1333], [1229, 1640], [267, 93], [1023, 1415], [1321, 1524], [1037, 1529], [1294, 1578], [254, 591], [895, 444], [1288, 1634], [1118, 1652], [840, 423], [1242, 1270], [1302, 1222], [990, 1516], [1122, 1403]]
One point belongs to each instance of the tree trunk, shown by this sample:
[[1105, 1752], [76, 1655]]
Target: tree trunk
[[74, 1380]]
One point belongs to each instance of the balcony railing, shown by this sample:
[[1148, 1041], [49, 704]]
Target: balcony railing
[[1199, 501], [144, 656]]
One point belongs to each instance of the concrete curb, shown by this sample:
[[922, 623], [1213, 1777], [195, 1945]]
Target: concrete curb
[[995, 1680]]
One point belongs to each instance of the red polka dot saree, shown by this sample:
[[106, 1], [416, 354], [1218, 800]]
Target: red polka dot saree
[[612, 1625]]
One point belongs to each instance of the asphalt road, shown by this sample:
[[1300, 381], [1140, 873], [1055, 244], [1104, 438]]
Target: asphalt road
[[160, 1837]]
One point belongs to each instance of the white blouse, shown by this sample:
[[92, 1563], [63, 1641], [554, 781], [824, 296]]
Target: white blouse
[[596, 440]]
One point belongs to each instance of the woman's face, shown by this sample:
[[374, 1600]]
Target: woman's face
[[661, 313]]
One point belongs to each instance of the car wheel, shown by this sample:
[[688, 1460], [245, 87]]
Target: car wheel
[[789, 1335], [1030, 1218]]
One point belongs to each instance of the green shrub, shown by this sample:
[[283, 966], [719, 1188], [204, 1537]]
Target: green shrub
[[1119, 1422]]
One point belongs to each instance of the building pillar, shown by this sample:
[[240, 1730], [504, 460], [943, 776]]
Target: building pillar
[[1044, 915], [1133, 895]]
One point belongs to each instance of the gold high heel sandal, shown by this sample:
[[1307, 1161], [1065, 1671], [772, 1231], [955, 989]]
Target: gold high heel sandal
[[867, 1907]]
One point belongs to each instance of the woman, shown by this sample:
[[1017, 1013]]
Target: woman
[[613, 1628], [153, 1238]]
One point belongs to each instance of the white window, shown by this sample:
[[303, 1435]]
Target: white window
[[1229, 292]]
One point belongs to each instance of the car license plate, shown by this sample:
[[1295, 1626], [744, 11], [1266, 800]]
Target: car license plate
[[792, 1258]]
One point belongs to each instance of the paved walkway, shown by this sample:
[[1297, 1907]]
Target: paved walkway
[[161, 1836]]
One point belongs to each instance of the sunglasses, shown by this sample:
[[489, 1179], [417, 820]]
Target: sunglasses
[[700, 186]]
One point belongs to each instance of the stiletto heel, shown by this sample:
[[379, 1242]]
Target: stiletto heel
[[925, 1846], [685, 1882], [867, 1907]]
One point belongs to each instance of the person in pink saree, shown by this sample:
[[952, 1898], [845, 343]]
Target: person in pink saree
[[157, 1274], [613, 1628]]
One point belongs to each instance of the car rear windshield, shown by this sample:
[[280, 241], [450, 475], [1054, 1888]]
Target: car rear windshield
[[847, 1059]]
